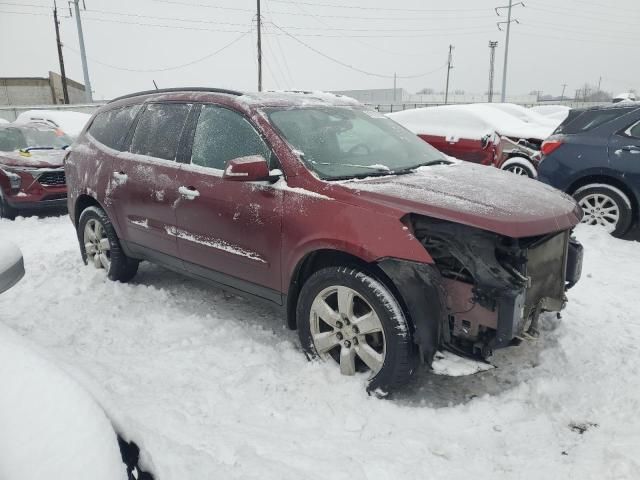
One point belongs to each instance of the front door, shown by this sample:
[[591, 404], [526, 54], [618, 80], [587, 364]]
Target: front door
[[229, 231], [143, 188], [624, 152]]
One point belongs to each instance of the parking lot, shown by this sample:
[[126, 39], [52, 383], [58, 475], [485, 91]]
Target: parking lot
[[213, 386]]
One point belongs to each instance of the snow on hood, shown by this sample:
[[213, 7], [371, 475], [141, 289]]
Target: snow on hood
[[71, 123], [473, 121], [50, 427], [475, 195], [33, 159]]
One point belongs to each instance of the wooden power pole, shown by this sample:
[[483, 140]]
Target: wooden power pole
[[65, 91]]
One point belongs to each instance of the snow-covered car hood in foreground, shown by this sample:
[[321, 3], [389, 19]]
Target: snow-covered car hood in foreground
[[475, 195], [49, 426], [33, 159]]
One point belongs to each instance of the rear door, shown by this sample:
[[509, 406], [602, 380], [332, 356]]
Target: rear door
[[624, 152], [229, 231], [143, 187]]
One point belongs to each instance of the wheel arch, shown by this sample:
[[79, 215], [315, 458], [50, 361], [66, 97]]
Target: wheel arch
[[327, 257]]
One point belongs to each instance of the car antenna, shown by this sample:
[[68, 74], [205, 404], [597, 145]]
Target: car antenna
[[155, 84]]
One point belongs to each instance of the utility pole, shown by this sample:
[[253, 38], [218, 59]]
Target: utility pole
[[83, 53], [599, 83], [259, 48], [564, 86], [492, 57], [503, 94], [449, 67], [394, 86], [63, 75]]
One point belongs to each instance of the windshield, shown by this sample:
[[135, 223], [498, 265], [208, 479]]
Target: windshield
[[16, 138], [344, 142]]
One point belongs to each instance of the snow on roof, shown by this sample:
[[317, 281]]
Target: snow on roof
[[626, 96], [472, 121], [71, 123], [296, 97], [547, 110], [524, 114], [2, 120]]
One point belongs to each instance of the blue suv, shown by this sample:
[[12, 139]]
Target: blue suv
[[594, 155]]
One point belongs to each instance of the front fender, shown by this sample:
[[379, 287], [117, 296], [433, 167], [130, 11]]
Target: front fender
[[420, 286]]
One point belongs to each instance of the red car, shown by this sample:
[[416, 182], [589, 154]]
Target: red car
[[378, 249], [31, 171], [480, 133]]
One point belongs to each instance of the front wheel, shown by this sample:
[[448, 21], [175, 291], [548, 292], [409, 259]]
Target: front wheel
[[349, 318], [5, 210], [101, 248], [606, 206]]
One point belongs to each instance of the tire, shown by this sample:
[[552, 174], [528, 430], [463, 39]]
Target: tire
[[5, 210], [102, 248], [605, 205], [520, 166], [367, 331]]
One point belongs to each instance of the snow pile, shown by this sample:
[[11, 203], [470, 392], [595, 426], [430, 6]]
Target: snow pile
[[447, 363], [49, 426], [473, 121], [71, 123], [216, 387]]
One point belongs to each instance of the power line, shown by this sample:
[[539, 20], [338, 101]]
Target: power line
[[346, 65], [358, 7], [165, 69]]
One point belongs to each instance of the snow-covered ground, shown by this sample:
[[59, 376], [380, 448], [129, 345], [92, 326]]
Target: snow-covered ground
[[215, 386]]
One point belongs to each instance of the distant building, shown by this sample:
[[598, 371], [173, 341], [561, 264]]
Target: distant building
[[39, 91]]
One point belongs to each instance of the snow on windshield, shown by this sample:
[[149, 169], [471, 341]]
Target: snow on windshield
[[71, 123]]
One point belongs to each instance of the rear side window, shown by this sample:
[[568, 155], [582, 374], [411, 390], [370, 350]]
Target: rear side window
[[590, 119], [111, 128], [159, 130], [634, 131], [222, 135]]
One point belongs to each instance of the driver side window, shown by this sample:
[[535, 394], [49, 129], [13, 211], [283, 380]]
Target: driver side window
[[634, 131], [222, 135]]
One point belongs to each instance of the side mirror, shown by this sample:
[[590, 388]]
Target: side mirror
[[11, 265], [247, 169]]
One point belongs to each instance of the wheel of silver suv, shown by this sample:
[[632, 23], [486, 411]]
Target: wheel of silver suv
[[349, 318], [606, 206]]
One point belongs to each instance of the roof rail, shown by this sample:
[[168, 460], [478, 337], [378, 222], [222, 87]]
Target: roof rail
[[178, 89]]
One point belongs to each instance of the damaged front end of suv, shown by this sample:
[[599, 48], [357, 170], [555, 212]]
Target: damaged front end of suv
[[489, 289]]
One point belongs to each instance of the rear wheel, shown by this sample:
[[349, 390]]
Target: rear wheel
[[606, 206], [101, 247], [349, 318], [519, 167]]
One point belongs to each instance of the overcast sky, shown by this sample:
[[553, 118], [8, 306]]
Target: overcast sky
[[556, 42]]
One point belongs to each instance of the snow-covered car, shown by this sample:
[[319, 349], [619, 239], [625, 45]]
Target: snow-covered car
[[479, 133], [11, 266], [68, 436], [31, 172], [524, 114], [71, 123], [624, 97], [2, 120]]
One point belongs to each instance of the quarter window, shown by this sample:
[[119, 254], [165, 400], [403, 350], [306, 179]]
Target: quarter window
[[222, 135], [159, 130], [634, 131], [111, 128]]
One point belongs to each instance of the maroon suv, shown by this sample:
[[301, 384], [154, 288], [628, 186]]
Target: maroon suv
[[379, 250], [31, 172]]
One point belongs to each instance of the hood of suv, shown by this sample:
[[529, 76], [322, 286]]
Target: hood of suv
[[33, 159], [475, 195]]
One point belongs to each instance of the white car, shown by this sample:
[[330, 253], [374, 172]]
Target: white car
[[70, 123], [50, 427]]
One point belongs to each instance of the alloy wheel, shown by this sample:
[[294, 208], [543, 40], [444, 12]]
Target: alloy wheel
[[96, 245], [600, 209], [346, 328], [518, 170]]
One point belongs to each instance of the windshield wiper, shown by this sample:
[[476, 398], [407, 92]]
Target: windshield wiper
[[378, 168]]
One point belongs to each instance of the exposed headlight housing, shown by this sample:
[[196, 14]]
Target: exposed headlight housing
[[15, 181]]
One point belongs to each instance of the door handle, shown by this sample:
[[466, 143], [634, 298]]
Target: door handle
[[189, 193], [631, 149]]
